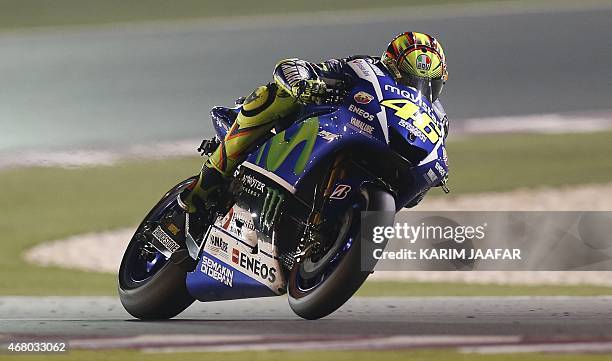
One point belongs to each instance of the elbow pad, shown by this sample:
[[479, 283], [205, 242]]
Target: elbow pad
[[289, 72]]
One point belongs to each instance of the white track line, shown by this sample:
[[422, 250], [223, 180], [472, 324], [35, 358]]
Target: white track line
[[149, 341], [101, 157], [576, 347], [232, 343], [201, 343], [539, 123], [482, 344]]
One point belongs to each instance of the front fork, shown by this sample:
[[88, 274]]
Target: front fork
[[310, 241]]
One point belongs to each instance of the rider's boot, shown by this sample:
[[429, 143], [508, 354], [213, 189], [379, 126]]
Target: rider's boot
[[194, 198], [200, 199]]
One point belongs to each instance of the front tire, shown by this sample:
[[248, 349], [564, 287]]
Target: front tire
[[158, 291], [346, 278]]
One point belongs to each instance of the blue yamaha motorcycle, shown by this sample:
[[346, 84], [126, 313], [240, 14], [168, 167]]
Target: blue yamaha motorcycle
[[290, 221]]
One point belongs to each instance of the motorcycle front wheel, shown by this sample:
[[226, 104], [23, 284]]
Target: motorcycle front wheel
[[318, 287]]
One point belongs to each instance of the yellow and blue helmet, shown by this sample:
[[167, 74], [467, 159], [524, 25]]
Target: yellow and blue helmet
[[417, 60]]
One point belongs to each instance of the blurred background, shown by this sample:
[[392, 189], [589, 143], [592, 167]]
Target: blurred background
[[156, 72], [94, 93]]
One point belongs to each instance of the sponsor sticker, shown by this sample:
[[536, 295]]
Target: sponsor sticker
[[173, 228], [252, 185], [242, 219], [412, 129], [254, 265], [237, 221], [362, 113], [444, 156], [216, 271], [431, 176], [413, 98], [328, 136], [341, 191], [217, 242], [362, 126], [235, 255], [165, 239], [423, 62], [440, 169], [363, 97], [361, 64]]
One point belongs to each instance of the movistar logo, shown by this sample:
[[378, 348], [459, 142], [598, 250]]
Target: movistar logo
[[412, 97], [280, 148]]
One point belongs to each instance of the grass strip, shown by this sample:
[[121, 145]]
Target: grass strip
[[41, 204]]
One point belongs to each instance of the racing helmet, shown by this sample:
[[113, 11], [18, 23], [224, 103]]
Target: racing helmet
[[417, 60]]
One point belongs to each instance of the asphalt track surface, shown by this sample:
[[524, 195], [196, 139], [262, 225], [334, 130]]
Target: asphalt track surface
[[104, 86], [464, 319]]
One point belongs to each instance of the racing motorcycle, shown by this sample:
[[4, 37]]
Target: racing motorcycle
[[290, 220]]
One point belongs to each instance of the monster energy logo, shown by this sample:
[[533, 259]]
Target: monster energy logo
[[280, 148], [269, 211]]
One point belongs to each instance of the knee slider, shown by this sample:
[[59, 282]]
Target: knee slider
[[259, 100]]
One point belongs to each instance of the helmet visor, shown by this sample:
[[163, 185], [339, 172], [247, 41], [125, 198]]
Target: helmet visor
[[428, 88]]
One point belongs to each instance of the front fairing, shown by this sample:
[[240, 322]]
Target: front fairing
[[377, 115], [423, 133], [406, 122]]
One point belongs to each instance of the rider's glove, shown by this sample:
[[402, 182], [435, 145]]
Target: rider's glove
[[309, 91]]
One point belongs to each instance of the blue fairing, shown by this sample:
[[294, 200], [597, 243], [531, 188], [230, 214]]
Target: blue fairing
[[222, 119], [361, 121], [377, 116]]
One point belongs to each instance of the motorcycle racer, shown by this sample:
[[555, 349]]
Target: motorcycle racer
[[413, 59]]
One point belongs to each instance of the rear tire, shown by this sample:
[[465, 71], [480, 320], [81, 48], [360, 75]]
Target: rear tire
[[347, 277], [164, 294]]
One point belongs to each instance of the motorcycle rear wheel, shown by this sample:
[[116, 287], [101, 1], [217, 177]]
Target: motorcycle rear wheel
[[154, 291]]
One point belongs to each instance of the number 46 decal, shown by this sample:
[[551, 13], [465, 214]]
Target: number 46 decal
[[407, 110]]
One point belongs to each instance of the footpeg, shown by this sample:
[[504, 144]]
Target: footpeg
[[208, 146]]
